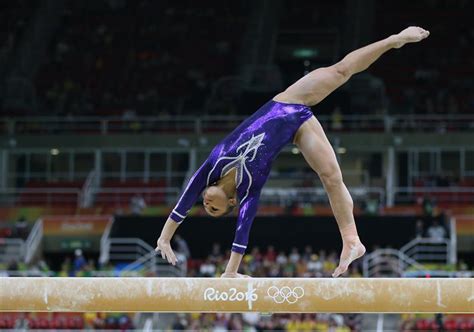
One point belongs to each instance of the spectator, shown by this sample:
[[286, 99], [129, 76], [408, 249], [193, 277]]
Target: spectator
[[79, 261], [137, 205], [436, 231], [281, 258], [294, 256], [428, 206], [314, 265], [270, 255], [207, 269]]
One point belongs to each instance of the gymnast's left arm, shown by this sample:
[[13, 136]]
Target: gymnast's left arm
[[247, 212]]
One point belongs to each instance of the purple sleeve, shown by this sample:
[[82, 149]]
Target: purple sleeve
[[247, 213], [194, 188]]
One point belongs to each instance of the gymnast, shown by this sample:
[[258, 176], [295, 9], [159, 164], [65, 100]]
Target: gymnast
[[238, 167]]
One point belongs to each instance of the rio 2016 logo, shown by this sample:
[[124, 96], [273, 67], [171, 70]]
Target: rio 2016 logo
[[232, 295]]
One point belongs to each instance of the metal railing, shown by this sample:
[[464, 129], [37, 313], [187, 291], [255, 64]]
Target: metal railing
[[273, 193], [426, 250], [392, 262], [140, 255], [388, 263], [445, 194], [219, 124], [33, 241], [86, 197], [153, 263], [286, 196], [150, 195], [69, 196], [39, 196], [105, 243], [11, 249]]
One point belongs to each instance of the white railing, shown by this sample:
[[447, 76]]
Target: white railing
[[428, 250], [39, 196], [68, 196], [11, 250], [445, 194], [128, 249], [392, 262], [105, 243], [272, 193], [152, 262], [388, 262], [86, 197], [209, 124], [123, 195], [286, 196], [33, 241], [453, 241], [139, 254]]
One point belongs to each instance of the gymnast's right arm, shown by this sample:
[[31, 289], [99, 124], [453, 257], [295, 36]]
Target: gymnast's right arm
[[195, 186]]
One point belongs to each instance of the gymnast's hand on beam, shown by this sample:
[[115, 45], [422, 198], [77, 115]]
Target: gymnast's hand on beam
[[167, 253], [234, 275], [410, 35]]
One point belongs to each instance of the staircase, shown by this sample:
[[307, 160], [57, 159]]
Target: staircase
[[22, 250], [135, 254], [412, 256]]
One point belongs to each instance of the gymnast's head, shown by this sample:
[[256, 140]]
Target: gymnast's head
[[217, 202]]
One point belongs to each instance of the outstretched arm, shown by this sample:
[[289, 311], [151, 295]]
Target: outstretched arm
[[195, 186], [318, 84]]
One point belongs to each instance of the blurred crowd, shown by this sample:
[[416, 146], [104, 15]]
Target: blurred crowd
[[272, 263], [260, 322], [66, 321], [124, 59], [435, 78]]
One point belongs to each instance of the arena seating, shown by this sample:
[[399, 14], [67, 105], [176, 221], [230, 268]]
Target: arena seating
[[427, 84], [127, 62], [58, 193], [117, 193], [63, 321], [14, 17]]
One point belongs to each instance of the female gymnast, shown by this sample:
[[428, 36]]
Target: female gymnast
[[238, 167]]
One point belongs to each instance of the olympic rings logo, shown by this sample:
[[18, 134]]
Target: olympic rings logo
[[285, 294]]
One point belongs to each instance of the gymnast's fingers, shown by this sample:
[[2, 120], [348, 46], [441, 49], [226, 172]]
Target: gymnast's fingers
[[171, 256], [175, 259]]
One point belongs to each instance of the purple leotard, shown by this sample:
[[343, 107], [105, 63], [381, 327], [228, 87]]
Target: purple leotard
[[250, 148]]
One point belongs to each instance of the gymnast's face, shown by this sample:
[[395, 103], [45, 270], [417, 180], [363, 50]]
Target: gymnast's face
[[215, 201]]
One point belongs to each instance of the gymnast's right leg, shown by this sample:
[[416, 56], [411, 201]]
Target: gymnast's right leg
[[319, 154]]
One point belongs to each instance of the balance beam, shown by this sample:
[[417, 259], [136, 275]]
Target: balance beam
[[237, 295]]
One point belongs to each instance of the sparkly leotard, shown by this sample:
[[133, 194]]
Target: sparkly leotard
[[250, 148]]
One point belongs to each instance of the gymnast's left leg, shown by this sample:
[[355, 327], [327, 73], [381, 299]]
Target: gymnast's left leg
[[318, 152]]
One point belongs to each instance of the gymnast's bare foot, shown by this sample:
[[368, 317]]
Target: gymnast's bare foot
[[233, 275], [410, 35], [351, 250]]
